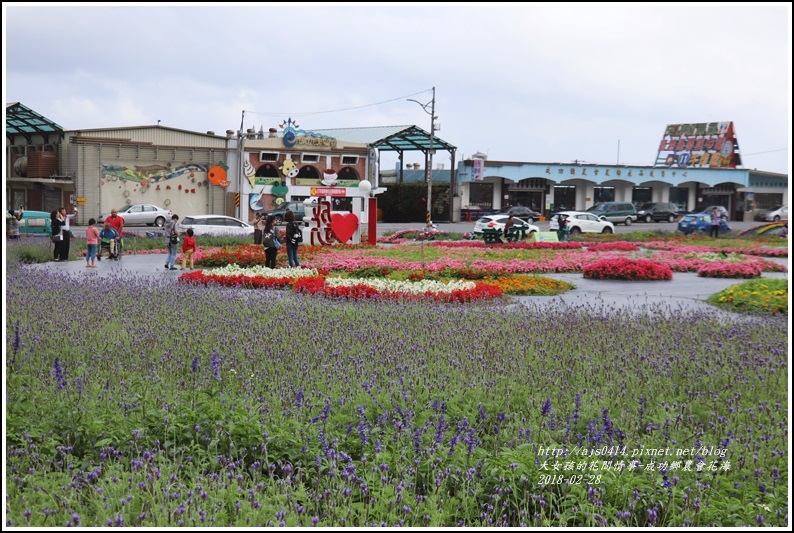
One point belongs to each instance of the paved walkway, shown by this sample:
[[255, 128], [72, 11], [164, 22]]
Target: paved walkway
[[686, 288]]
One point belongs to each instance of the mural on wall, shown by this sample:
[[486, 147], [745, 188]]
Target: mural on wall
[[278, 187], [150, 173], [217, 175], [250, 173], [122, 182]]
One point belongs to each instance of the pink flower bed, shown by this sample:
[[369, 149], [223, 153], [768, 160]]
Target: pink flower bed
[[731, 270]]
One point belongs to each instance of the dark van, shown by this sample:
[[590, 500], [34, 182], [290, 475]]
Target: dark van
[[615, 212]]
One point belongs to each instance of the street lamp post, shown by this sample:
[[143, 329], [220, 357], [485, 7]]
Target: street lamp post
[[429, 169]]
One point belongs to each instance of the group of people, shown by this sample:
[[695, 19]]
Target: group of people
[[61, 234], [269, 236]]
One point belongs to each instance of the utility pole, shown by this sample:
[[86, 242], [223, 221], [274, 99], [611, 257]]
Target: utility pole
[[429, 169]]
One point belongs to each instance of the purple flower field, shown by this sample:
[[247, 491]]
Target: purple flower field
[[133, 402]]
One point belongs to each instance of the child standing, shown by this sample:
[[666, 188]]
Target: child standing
[[188, 247], [92, 240]]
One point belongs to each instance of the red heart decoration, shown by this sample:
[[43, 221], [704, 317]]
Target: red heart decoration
[[344, 226]]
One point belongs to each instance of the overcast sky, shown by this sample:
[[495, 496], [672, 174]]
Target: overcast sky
[[520, 82]]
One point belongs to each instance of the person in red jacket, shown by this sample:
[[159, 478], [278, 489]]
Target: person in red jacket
[[117, 223], [188, 248]]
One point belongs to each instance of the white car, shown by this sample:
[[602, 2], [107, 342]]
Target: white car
[[581, 222], [216, 225], [498, 222]]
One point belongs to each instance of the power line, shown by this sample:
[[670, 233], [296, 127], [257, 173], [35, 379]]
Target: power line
[[291, 113], [767, 152]]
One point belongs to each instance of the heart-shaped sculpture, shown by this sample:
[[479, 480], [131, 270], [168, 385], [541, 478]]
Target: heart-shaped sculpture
[[344, 226]]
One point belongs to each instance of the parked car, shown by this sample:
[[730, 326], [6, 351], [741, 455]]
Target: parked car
[[776, 214], [615, 212], [140, 215], [582, 222], [498, 222], [524, 213], [296, 207], [700, 222], [722, 210], [657, 211], [216, 225]]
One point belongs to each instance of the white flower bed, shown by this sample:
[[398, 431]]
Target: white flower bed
[[262, 271], [411, 287]]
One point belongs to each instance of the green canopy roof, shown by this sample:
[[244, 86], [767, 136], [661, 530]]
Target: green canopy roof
[[23, 121], [389, 138]]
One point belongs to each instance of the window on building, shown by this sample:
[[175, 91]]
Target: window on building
[[267, 171], [641, 196], [308, 172], [604, 194], [679, 196], [564, 198], [348, 173], [481, 195], [765, 200]]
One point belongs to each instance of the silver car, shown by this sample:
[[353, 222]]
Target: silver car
[[141, 214], [216, 225], [776, 214]]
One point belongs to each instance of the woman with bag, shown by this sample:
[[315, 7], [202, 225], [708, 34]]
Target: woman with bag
[[294, 239], [271, 240], [171, 231], [56, 225]]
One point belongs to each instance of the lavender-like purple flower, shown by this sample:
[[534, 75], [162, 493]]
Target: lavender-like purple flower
[[59, 376], [546, 408], [17, 344], [215, 363], [194, 365]]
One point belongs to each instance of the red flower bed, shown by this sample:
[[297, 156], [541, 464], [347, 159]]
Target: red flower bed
[[257, 282], [316, 285], [619, 246], [627, 269]]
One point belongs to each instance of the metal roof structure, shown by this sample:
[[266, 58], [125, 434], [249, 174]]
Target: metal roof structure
[[389, 138], [21, 120]]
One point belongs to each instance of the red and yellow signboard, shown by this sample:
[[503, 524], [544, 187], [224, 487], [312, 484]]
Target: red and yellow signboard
[[699, 145]]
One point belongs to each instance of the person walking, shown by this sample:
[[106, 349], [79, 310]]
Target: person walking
[[188, 248], [271, 240], [508, 224], [259, 223], [294, 239], [171, 232], [562, 229], [92, 241], [715, 223]]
